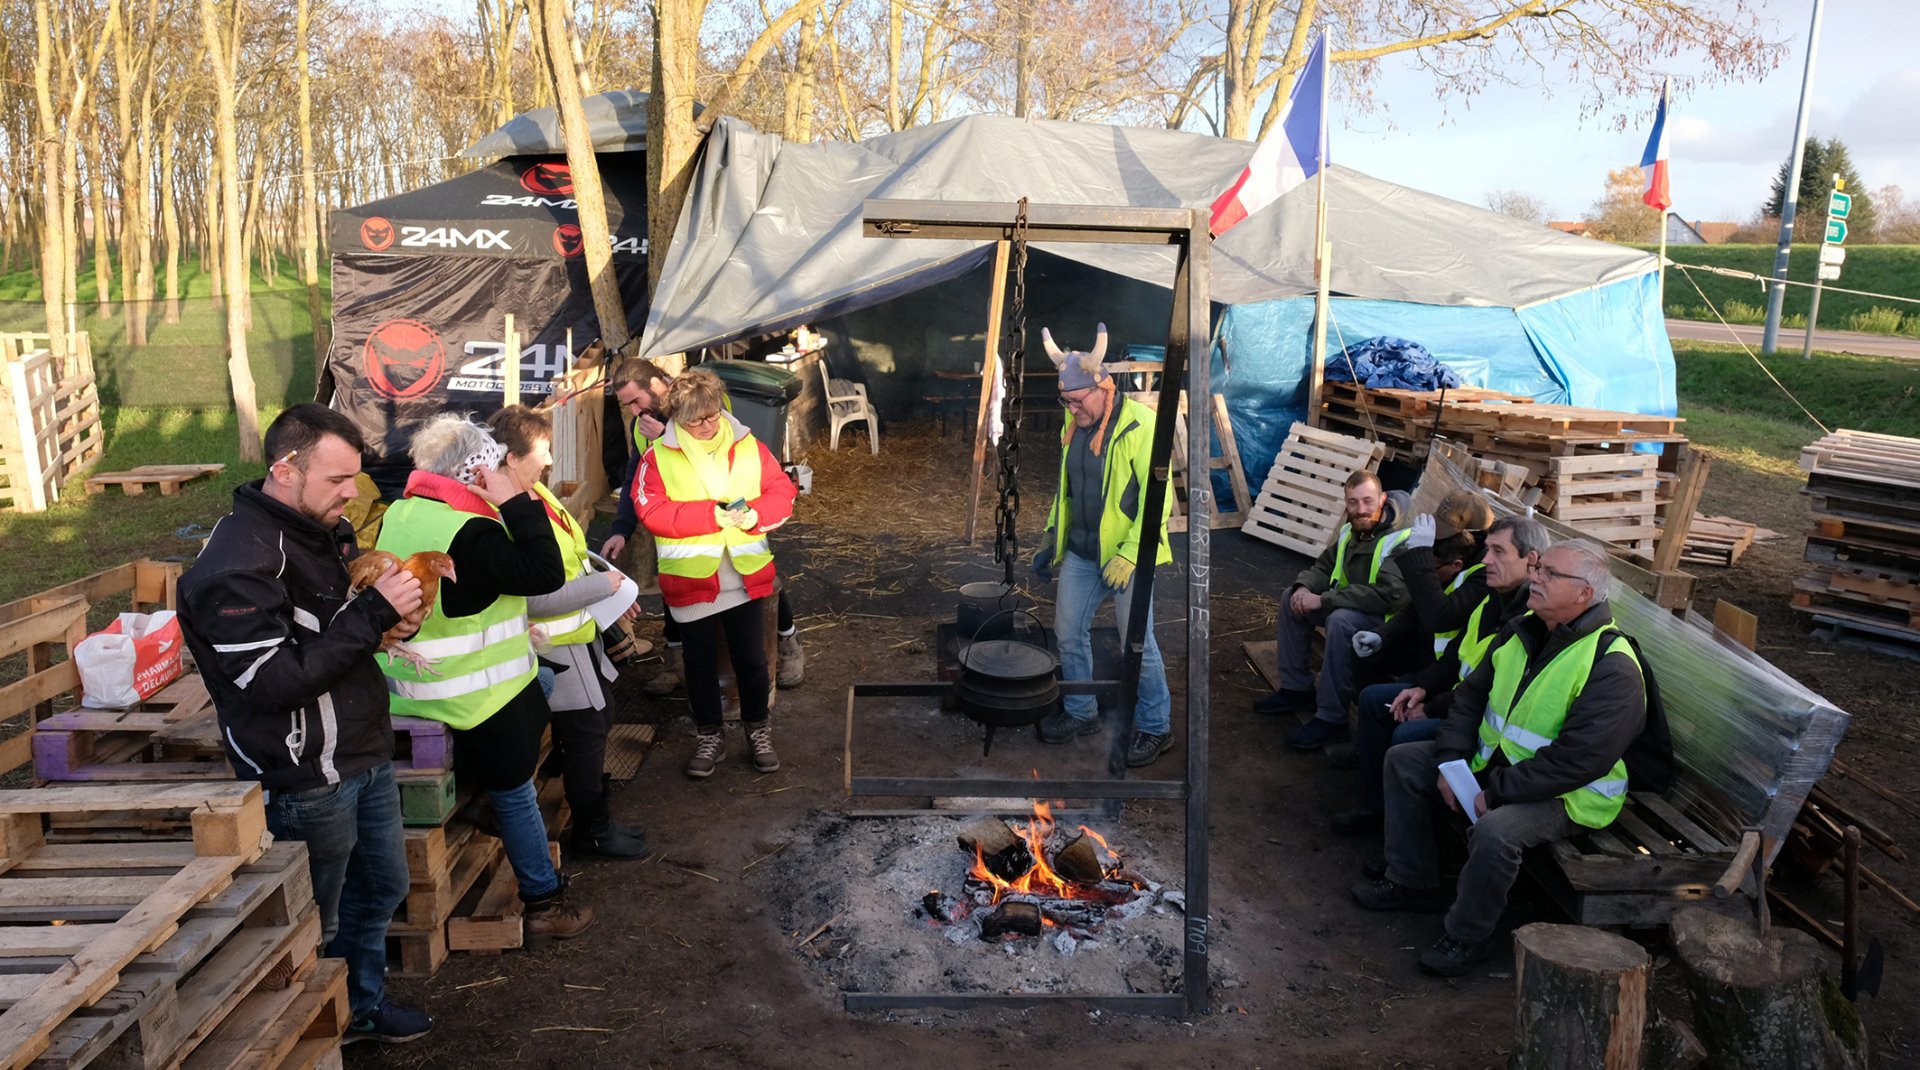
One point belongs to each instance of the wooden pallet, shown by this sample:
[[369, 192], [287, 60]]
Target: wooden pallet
[[295, 1027], [1611, 496], [1888, 459], [167, 478], [171, 736], [1227, 460], [111, 909], [428, 797], [1718, 540], [421, 744], [1651, 862], [1302, 503], [1861, 598]]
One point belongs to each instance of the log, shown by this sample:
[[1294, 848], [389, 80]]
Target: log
[[989, 837], [1581, 999], [1019, 919], [1671, 1045], [1079, 861], [1765, 1003]]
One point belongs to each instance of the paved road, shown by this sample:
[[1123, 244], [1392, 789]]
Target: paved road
[[1875, 345]]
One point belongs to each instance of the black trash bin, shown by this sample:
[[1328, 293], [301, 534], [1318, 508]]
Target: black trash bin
[[761, 393]]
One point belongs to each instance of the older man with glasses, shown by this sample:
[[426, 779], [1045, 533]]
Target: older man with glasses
[[1547, 723]]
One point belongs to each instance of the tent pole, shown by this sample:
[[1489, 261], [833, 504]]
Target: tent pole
[[510, 366], [1319, 364], [989, 370], [1662, 305]]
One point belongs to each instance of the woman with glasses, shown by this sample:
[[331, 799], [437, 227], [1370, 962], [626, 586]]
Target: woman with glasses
[[709, 492]]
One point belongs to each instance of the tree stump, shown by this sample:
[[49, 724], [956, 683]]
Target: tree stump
[[1765, 1004], [1581, 999]]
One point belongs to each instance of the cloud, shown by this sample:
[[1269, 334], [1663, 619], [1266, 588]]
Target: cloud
[[1883, 114]]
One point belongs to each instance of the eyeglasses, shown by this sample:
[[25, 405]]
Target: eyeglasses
[[710, 418], [1554, 574], [1075, 400]]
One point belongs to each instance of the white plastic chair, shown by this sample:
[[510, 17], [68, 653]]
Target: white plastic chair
[[847, 404]]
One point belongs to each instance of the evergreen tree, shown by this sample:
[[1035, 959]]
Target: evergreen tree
[[1822, 160]]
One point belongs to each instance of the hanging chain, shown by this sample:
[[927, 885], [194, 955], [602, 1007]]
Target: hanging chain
[[1006, 516]]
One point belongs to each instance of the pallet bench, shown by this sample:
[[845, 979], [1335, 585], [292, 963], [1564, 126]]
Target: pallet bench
[[166, 478]]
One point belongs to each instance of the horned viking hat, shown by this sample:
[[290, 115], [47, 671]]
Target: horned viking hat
[[1078, 370]]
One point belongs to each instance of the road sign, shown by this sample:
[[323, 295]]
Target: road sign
[[1836, 231], [1839, 204], [1833, 254], [1829, 272]]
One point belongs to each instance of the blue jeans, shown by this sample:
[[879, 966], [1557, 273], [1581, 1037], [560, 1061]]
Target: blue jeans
[[357, 853], [517, 811], [1082, 590], [1375, 731]]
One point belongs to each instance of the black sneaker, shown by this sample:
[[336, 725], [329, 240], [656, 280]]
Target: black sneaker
[[1063, 727], [1362, 821], [1147, 746], [1316, 734], [1452, 958], [1384, 894], [1285, 700], [389, 1024]]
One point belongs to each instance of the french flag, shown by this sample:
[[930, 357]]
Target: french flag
[[1295, 151], [1654, 160]]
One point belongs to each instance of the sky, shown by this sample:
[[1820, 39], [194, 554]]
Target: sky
[[1727, 143]]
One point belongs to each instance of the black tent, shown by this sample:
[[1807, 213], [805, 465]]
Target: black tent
[[423, 281]]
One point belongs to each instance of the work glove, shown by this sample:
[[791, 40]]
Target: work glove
[[1366, 644], [1422, 531], [745, 519], [722, 517], [1118, 573], [1042, 565]]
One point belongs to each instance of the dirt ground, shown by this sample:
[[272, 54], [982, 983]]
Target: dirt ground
[[695, 963]]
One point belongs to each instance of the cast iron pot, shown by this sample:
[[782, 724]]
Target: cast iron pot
[[986, 609], [1005, 683]]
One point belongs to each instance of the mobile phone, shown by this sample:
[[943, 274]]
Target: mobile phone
[[736, 505]]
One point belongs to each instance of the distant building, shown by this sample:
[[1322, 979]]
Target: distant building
[[1579, 228], [1698, 232]]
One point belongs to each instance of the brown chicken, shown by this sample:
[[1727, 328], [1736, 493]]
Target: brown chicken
[[427, 566]]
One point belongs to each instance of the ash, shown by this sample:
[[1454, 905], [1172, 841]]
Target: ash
[[872, 877]]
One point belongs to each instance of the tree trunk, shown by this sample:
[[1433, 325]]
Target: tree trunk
[[895, 20], [319, 328], [97, 207], [1765, 1004], [170, 221], [1022, 62], [801, 87], [213, 239], [596, 238], [133, 186], [233, 259], [1582, 999], [53, 217]]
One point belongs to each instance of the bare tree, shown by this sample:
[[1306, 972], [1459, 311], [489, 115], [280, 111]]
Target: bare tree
[[1517, 203], [225, 56], [1620, 215]]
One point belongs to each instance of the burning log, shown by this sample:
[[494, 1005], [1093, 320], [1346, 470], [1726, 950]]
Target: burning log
[[1073, 913], [1011, 863], [989, 838], [1019, 919], [944, 908], [1078, 861]]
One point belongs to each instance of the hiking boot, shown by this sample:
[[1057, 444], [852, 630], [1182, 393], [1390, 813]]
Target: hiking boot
[[670, 679], [389, 1024], [1316, 734], [595, 833], [1285, 700], [708, 749], [792, 667], [1452, 958], [624, 647], [1147, 746], [1385, 894], [1062, 727], [760, 742], [1362, 821], [551, 916]]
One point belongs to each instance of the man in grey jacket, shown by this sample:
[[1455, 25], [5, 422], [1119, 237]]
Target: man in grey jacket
[[1351, 588], [1546, 722]]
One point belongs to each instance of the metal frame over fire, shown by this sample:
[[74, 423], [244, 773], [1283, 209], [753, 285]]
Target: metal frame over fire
[[1185, 230]]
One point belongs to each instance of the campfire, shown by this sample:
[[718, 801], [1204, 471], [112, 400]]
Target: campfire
[[1029, 878]]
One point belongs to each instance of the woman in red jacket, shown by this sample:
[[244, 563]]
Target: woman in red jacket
[[709, 492]]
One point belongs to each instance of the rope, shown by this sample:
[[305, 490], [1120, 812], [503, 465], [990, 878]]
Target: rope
[[1334, 322], [1751, 356], [1734, 273]]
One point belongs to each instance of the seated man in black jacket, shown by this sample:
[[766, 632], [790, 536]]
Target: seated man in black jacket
[[302, 705], [1440, 563], [1412, 709], [1545, 725]]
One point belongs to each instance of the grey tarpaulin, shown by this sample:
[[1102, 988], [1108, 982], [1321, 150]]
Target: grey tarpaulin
[[616, 120], [770, 234], [1750, 740]]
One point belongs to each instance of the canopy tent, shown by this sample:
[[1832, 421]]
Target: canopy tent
[[423, 281], [616, 122], [770, 238]]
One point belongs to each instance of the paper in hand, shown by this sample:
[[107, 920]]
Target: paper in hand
[[609, 609], [1465, 787]]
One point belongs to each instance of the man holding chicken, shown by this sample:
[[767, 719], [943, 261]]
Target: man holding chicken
[[287, 652]]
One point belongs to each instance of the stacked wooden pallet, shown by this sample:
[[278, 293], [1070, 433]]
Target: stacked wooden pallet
[[1864, 499], [1609, 496], [1303, 502], [1401, 420], [200, 951], [1719, 540], [49, 418]]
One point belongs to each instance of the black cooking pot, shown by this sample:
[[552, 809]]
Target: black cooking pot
[[985, 610], [1005, 683]]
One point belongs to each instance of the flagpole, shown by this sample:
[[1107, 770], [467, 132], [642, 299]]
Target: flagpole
[[1666, 101], [1322, 252]]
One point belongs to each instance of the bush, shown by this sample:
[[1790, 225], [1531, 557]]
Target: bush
[[1741, 312], [1876, 320]]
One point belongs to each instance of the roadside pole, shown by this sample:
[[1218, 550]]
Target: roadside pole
[[1790, 197], [1833, 253]]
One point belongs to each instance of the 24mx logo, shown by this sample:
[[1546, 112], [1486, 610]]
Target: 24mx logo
[[454, 238], [404, 359], [503, 200], [376, 233]]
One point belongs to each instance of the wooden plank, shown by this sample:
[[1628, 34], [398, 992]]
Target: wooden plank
[[989, 371], [82, 798], [47, 625], [496, 923], [1679, 515], [1742, 626], [25, 1026]]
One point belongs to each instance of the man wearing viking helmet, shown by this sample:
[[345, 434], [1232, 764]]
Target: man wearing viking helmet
[[1093, 537]]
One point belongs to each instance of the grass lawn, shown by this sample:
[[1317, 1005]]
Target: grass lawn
[[1733, 407], [1882, 269]]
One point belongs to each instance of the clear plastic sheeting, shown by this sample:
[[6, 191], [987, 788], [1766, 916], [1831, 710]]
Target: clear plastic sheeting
[[1749, 740]]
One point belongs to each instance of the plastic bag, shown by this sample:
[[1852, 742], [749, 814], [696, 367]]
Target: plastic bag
[[130, 661]]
